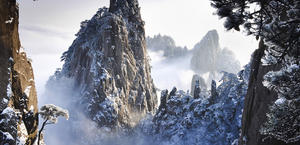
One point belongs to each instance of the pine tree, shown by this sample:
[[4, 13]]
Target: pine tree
[[50, 114], [277, 23]]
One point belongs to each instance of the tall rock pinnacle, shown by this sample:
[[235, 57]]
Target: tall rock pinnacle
[[206, 53], [209, 57], [128, 8], [109, 65]]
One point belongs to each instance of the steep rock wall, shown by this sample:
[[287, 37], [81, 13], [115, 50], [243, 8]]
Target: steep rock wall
[[18, 99]]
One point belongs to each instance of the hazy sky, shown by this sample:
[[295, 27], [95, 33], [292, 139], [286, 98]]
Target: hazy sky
[[47, 28]]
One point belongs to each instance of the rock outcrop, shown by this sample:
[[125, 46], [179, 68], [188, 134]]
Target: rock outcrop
[[109, 67], [200, 82], [257, 102], [18, 98], [209, 57]]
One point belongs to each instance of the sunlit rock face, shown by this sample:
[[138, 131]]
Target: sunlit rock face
[[18, 99], [109, 66], [209, 57]]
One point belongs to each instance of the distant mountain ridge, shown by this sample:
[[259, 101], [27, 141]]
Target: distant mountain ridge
[[167, 45], [207, 55]]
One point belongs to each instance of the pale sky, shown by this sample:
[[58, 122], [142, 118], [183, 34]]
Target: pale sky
[[47, 28]]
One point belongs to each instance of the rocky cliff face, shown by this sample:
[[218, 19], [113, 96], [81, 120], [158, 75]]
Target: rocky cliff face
[[18, 99], [109, 66], [209, 57], [257, 102]]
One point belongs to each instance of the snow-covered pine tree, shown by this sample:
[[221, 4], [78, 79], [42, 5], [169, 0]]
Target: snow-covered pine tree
[[277, 23], [50, 114], [283, 118]]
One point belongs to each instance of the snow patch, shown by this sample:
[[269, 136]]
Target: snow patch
[[5, 101], [21, 50], [9, 91], [8, 136], [27, 91], [280, 101], [23, 135], [9, 111], [9, 21], [8, 88], [31, 108]]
